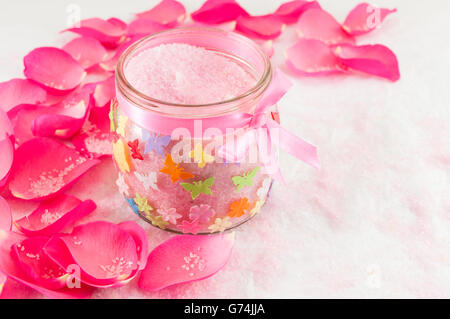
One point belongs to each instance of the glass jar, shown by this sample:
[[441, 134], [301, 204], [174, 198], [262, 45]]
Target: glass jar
[[168, 155]]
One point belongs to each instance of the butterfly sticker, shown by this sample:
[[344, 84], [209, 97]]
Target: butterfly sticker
[[112, 115], [155, 142], [174, 170], [239, 207], [135, 152], [142, 204], [200, 156], [147, 180], [121, 155], [121, 125], [200, 187], [157, 221], [244, 180], [132, 204]]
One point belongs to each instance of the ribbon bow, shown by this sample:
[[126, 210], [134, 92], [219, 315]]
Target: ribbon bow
[[262, 128]]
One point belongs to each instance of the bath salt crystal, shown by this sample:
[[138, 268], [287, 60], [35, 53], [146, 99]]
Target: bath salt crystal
[[186, 74]]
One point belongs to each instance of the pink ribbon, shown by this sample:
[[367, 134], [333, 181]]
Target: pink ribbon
[[259, 124], [262, 126]]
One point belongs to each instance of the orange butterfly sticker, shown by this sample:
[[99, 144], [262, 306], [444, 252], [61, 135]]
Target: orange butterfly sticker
[[239, 207], [174, 170]]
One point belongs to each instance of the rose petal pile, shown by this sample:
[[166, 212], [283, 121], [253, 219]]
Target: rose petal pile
[[96, 254], [326, 46], [54, 127], [6, 148], [5, 215]]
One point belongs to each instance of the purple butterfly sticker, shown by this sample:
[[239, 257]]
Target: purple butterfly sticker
[[155, 142]]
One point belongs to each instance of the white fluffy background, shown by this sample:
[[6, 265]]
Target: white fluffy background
[[374, 222]]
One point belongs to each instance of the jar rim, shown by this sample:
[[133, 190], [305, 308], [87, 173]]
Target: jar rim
[[147, 102]]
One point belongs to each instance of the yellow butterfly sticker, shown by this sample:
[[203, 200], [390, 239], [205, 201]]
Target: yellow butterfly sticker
[[200, 156], [122, 156], [142, 204], [121, 125], [157, 221]]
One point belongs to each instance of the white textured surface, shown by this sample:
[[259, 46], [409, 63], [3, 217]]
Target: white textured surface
[[375, 222]]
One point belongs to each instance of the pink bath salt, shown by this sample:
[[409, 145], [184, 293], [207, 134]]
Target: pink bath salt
[[186, 74]]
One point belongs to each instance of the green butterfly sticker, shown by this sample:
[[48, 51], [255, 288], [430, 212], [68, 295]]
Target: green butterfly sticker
[[112, 115], [244, 180], [200, 187]]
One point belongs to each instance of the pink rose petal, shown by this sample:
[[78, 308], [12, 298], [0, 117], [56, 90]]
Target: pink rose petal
[[13, 269], [54, 69], [140, 239], [87, 51], [110, 33], [185, 258], [94, 139], [2, 282], [106, 253], [375, 59], [22, 118], [168, 12], [5, 215], [53, 99], [218, 11], [45, 167], [19, 91], [105, 91], [118, 23], [110, 64], [289, 12], [144, 27], [95, 75], [37, 265], [312, 57], [54, 215], [226, 26], [64, 119], [365, 18], [320, 25], [265, 27], [6, 160], [6, 148], [6, 127], [267, 47]]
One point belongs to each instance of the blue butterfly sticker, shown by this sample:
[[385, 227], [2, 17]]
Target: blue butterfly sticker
[[132, 204], [226, 163], [155, 142]]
